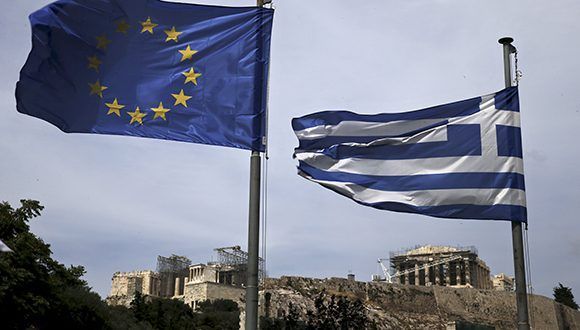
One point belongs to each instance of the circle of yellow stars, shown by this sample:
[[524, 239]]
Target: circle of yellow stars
[[148, 26]]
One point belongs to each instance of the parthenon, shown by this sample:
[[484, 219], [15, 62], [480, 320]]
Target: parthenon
[[441, 265]]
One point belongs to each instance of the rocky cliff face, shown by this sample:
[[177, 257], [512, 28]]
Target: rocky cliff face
[[394, 306]]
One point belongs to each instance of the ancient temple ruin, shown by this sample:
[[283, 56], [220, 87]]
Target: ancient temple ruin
[[440, 265], [176, 277], [503, 282]]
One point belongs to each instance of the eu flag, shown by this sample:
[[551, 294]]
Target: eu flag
[[149, 68]]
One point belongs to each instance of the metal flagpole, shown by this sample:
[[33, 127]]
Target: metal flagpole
[[253, 237], [517, 239], [253, 243]]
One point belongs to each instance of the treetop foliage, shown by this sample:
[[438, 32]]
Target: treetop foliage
[[330, 312], [564, 296], [37, 292]]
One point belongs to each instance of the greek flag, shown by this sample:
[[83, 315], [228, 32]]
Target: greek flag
[[458, 160]]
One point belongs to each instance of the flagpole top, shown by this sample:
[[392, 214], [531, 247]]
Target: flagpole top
[[506, 40]]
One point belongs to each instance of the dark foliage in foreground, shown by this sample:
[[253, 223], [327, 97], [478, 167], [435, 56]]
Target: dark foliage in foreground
[[563, 295], [37, 292], [331, 312]]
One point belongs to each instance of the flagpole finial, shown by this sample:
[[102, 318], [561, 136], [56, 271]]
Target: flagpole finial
[[506, 40]]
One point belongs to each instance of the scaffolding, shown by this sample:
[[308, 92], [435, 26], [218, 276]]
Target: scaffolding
[[174, 264], [170, 268], [438, 250], [234, 256]]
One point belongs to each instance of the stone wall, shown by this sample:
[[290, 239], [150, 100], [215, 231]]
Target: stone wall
[[125, 284], [220, 291], [197, 292], [395, 306]]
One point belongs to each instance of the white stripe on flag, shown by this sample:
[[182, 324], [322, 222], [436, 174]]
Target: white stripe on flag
[[365, 128], [434, 197], [439, 165]]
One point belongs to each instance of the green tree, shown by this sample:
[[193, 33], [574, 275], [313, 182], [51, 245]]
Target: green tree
[[218, 314], [320, 317], [161, 313], [167, 314], [356, 315], [288, 321], [270, 323], [36, 291], [337, 313], [292, 319], [564, 296], [139, 306], [32, 284]]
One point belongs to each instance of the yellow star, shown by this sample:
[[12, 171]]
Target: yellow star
[[160, 111], [136, 116], [187, 53], [114, 107], [148, 26], [97, 88], [123, 27], [192, 76], [172, 34], [94, 62], [181, 98], [102, 42]]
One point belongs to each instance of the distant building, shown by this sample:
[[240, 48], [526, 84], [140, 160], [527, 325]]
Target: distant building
[[503, 282], [125, 284], [440, 265], [177, 278]]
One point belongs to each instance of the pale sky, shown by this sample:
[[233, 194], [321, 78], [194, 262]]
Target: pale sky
[[115, 203]]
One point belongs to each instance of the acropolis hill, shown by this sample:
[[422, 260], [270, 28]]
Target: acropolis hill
[[450, 292]]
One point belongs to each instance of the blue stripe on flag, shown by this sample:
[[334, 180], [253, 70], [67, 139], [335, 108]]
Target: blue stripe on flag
[[461, 211], [455, 109], [422, 181], [463, 140], [507, 99]]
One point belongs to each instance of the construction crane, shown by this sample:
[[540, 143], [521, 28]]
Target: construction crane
[[389, 278]]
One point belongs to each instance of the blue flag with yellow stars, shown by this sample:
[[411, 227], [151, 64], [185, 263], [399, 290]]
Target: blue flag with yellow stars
[[149, 68]]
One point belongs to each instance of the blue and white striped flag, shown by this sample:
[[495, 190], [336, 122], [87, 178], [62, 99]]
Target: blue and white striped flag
[[458, 160]]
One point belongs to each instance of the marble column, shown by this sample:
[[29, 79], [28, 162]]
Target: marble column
[[458, 272], [168, 287], [467, 273], [487, 280], [417, 281], [448, 274], [479, 277], [483, 277], [177, 284], [427, 270]]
